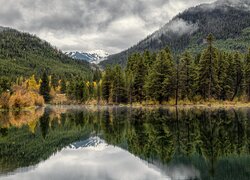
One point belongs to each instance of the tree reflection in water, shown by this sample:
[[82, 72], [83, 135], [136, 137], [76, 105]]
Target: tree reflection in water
[[213, 141]]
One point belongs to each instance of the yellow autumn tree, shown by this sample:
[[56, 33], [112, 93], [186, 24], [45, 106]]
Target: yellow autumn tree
[[31, 84]]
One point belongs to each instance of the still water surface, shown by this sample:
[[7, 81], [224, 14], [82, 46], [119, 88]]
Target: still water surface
[[125, 143]]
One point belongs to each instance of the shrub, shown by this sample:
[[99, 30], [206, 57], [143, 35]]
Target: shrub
[[21, 99], [4, 100]]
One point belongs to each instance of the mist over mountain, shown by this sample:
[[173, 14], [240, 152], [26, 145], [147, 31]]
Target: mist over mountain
[[227, 20]]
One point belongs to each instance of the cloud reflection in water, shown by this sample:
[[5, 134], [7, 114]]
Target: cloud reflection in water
[[92, 159]]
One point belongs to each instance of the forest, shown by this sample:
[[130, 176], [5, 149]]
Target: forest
[[148, 79], [212, 75], [229, 25]]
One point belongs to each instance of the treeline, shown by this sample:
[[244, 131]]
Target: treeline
[[23, 54], [229, 25], [162, 77], [152, 78]]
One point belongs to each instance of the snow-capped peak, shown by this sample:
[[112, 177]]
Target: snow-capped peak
[[95, 56], [100, 53]]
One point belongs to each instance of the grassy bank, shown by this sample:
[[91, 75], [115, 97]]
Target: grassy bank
[[63, 100]]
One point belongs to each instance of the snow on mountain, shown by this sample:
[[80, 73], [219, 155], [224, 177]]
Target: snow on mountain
[[95, 143], [93, 56]]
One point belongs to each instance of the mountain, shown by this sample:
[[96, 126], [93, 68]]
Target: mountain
[[227, 20], [91, 57], [23, 54]]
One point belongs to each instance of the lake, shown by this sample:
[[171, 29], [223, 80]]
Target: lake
[[109, 143]]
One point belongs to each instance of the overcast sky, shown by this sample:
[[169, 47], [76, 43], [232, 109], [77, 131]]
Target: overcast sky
[[86, 25]]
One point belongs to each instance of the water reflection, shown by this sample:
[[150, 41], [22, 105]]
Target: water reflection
[[188, 143], [92, 161]]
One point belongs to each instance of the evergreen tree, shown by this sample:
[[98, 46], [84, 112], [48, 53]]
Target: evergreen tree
[[237, 75], [63, 86], [222, 76], [186, 76], [129, 85], [99, 92], [54, 81], [118, 85], [85, 92], [160, 84], [45, 88], [5, 84], [207, 73], [97, 75], [148, 58], [107, 84], [247, 74], [139, 75]]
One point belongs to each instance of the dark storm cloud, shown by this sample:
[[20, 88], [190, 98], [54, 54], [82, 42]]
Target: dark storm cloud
[[112, 25]]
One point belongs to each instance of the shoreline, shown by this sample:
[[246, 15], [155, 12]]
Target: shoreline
[[137, 105]]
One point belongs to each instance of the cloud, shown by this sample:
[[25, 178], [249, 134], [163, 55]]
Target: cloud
[[112, 25], [92, 162], [180, 27]]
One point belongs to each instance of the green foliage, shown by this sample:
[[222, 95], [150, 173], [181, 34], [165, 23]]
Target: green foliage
[[63, 86], [247, 74], [229, 24], [118, 86], [107, 84], [159, 84], [137, 68], [214, 141], [45, 88], [22, 54], [211, 75], [187, 73], [207, 70], [5, 84]]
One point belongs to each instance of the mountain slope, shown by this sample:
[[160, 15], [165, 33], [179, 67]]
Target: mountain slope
[[91, 57], [22, 54], [227, 20]]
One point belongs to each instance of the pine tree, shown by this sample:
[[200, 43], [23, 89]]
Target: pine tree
[[118, 85], [230, 76], [63, 86], [45, 88], [139, 75], [160, 83], [237, 75], [97, 75], [222, 76], [129, 85], [247, 74], [107, 84], [207, 73], [148, 59], [186, 76], [99, 91], [85, 92]]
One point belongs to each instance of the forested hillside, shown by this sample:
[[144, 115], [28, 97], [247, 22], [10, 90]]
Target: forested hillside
[[148, 78], [228, 21], [22, 54]]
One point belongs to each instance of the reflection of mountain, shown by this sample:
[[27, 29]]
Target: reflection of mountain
[[188, 142], [93, 142], [91, 163]]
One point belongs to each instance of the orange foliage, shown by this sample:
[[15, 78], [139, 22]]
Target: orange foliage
[[21, 97], [4, 100], [20, 118]]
